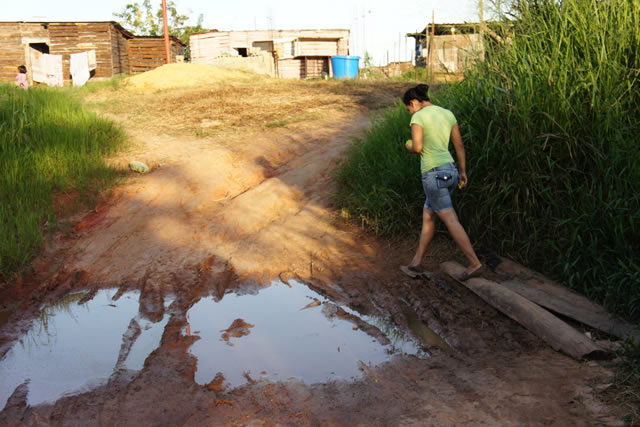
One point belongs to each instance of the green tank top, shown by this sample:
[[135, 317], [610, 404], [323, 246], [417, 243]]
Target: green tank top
[[436, 123]]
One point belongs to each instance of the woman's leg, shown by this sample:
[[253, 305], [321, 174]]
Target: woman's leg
[[428, 230], [450, 219]]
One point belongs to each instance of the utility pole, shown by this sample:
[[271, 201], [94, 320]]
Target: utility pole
[[167, 49]]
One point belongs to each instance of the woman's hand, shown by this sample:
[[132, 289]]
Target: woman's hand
[[462, 179]]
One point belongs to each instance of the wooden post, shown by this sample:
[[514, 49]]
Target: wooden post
[[426, 46], [406, 48], [167, 49], [431, 43]]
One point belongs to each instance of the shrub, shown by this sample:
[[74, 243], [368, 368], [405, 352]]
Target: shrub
[[49, 144]]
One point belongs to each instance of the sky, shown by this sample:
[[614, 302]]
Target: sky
[[377, 26]]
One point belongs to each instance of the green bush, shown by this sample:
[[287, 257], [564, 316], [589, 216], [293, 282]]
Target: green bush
[[379, 184], [550, 122], [49, 144]]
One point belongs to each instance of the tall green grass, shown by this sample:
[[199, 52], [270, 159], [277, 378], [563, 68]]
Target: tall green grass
[[49, 144], [550, 123], [379, 185]]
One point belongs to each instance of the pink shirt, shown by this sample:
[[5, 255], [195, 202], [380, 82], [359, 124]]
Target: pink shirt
[[22, 80]]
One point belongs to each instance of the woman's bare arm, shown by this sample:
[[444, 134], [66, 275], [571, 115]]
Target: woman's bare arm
[[456, 139]]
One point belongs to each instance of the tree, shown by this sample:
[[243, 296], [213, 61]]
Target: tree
[[141, 20], [368, 60]]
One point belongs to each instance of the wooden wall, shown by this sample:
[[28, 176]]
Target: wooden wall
[[147, 53], [454, 54], [67, 38], [316, 67], [291, 68], [317, 47], [12, 50], [303, 68], [119, 51], [203, 48], [343, 46]]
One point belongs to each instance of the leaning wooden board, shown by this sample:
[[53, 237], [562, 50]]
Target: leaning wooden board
[[558, 334], [559, 299]]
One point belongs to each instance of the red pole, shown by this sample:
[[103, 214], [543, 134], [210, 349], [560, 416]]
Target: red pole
[[167, 49]]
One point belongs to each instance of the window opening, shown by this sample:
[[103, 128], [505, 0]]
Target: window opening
[[40, 47]]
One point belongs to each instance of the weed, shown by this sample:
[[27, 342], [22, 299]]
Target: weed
[[277, 124], [49, 145]]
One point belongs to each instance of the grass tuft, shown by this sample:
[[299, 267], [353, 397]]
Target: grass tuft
[[49, 145]]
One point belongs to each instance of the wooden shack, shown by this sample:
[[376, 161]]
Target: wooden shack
[[295, 53], [451, 49], [117, 51]]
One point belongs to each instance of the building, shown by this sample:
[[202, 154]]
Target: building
[[295, 54], [117, 51], [452, 49]]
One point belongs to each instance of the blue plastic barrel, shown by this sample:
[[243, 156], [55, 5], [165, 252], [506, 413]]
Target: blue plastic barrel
[[345, 67]]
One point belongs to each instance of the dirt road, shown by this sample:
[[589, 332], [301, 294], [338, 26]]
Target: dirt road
[[223, 288]]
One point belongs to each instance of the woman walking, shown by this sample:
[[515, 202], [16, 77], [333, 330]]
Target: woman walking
[[432, 127]]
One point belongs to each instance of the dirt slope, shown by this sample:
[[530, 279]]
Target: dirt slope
[[238, 207]]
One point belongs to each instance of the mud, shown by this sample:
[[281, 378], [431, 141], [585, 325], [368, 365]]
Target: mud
[[188, 254], [77, 345]]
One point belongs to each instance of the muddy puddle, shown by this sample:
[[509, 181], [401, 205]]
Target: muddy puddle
[[276, 333], [280, 333], [74, 346]]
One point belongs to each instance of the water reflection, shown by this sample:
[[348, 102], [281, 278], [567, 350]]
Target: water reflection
[[76, 347], [293, 332]]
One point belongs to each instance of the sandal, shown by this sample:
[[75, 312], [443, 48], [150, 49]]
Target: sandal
[[475, 273], [413, 271]]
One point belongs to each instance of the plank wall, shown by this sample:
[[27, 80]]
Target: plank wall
[[116, 50], [119, 51], [316, 67], [68, 38], [205, 47], [147, 53], [12, 50], [291, 68], [317, 47], [456, 53]]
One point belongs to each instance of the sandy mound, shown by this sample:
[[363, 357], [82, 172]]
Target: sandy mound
[[184, 75]]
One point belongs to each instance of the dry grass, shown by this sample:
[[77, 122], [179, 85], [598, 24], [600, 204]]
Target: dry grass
[[239, 105], [172, 76]]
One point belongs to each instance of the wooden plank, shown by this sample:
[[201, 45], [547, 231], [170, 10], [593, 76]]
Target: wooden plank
[[558, 334], [559, 299]]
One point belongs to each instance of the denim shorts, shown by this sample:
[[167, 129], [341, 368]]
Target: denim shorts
[[438, 183]]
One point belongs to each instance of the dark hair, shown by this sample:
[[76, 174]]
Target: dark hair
[[22, 69], [420, 92]]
